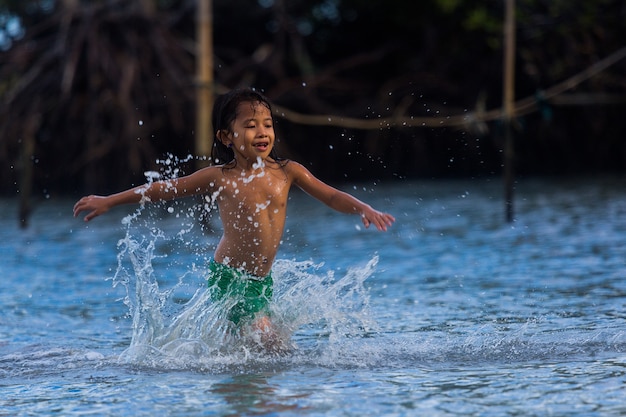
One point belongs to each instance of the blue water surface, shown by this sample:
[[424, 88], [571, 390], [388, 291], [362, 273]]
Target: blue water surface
[[451, 312]]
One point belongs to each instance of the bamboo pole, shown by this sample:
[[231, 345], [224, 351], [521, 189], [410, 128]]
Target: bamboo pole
[[509, 107], [26, 168], [204, 74]]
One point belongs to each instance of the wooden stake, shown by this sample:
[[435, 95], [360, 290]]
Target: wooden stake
[[509, 107], [27, 167], [204, 74]]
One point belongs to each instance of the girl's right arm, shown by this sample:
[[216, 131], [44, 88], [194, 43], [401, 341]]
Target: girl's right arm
[[96, 205], [199, 182]]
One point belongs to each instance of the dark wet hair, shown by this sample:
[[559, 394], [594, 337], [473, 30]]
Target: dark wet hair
[[225, 113]]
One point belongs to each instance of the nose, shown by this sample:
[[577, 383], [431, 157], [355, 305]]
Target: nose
[[262, 132]]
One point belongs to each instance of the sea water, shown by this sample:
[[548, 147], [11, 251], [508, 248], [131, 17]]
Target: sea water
[[453, 311]]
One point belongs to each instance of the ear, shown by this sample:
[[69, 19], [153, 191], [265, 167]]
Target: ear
[[222, 135]]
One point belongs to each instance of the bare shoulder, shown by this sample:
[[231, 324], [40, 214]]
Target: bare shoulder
[[204, 179], [295, 170], [210, 173]]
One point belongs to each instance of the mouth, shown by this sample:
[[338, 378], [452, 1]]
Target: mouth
[[262, 146]]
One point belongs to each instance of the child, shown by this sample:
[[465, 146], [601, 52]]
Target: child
[[251, 191]]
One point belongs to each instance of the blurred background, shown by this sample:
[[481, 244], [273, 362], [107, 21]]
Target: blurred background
[[93, 93]]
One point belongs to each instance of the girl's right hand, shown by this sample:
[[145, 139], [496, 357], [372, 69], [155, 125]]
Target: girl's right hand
[[94, 204]]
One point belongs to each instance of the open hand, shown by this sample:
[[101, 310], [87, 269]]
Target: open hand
[[379, 219], [94, 204]]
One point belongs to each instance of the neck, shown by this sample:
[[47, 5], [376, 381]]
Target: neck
[[251, 165]]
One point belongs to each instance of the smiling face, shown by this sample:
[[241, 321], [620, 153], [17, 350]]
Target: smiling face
[[251, 135]]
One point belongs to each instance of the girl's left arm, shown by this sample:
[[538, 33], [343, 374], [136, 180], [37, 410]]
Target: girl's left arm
[[336, 199]]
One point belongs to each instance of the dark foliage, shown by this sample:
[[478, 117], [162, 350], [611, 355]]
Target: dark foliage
[[108, 87]]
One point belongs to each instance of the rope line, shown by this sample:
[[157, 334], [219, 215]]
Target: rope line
[[522, 107]]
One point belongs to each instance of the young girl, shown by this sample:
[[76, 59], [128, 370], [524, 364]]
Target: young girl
[[251, 191]]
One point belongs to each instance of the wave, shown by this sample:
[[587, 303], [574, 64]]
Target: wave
[[316, 348]]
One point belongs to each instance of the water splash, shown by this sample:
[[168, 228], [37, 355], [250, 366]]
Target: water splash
[[162, 263]]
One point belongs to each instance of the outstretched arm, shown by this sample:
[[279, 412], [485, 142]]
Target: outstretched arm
[[96, 205], [199, 182], [338, 200]]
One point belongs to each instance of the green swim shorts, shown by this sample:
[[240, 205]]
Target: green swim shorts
[[251, 293]]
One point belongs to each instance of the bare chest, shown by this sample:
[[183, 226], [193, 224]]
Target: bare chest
[[264, 194]]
